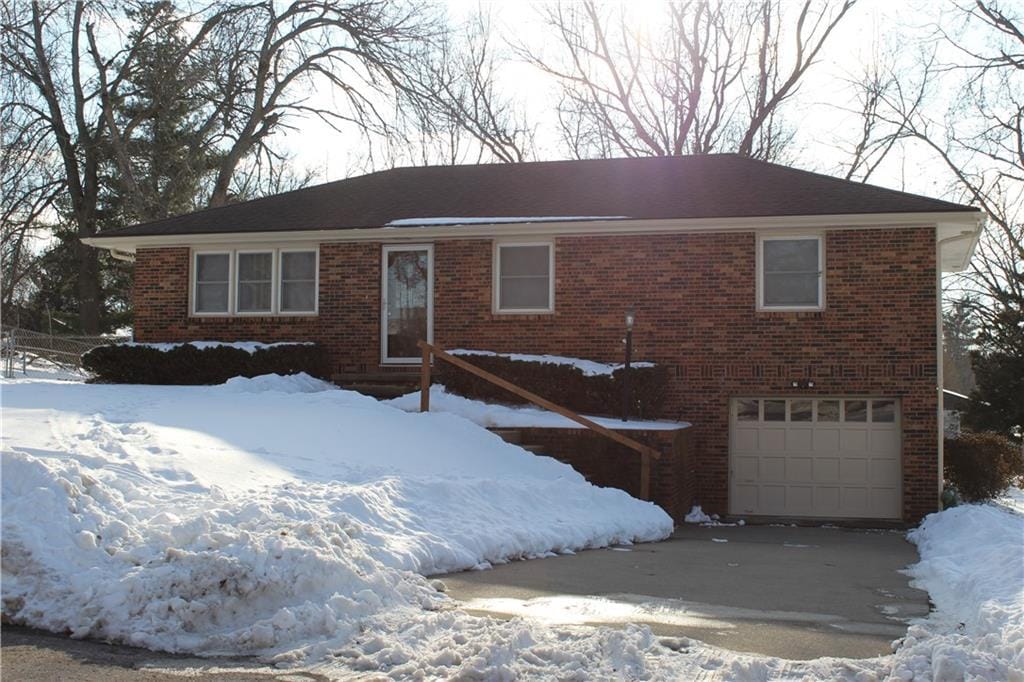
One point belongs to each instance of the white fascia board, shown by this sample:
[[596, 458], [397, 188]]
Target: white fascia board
[[967, 220]]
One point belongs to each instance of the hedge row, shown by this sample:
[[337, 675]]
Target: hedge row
[[981, 466], [564, 385], [186, 364]]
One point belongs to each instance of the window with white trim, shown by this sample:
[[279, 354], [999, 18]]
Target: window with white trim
[[524, 278], [298, 282], [213, 282], [255, 282], [792, 273], [255, 286]]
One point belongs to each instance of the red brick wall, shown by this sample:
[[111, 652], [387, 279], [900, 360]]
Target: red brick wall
[[695, 300], [606, 463]]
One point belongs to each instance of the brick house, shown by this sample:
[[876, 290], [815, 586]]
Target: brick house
[[798, 313]]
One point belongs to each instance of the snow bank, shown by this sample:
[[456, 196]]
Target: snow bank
[[247, 346], [501, 416], [590, 368], [298, 526], [266, 515]]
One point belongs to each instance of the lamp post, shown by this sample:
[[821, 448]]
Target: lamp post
[[626, 378]]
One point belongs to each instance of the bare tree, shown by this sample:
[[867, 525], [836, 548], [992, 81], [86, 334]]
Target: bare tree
[[710, 77], [263, 62]]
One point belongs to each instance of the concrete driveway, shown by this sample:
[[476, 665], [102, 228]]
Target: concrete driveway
[[796, 593]]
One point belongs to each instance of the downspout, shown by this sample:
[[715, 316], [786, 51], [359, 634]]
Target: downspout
[[940, 378]]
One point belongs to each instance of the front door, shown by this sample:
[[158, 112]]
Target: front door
[[407, 305]]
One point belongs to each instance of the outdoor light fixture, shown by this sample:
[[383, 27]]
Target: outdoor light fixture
[[626, 387]]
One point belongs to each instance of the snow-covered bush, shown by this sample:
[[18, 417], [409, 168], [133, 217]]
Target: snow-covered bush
[[564, 383], [201, 363], [982, 465]]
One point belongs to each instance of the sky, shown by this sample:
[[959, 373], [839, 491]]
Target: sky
[[872, 28]]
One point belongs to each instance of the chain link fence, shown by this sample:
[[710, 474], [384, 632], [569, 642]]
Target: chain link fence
[[20, 348]]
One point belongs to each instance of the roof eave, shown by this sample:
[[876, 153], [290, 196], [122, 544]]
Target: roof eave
[[965, 221]]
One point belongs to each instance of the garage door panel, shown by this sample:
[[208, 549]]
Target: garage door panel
[[885, 443], [854, 500], [800, 500], [798, 469], [853, 439], [773, 469], [773, 498], [799, 440], [745, 440], [772, 440], [826, 500], [854, 470], [826, 470], [818, 466], [746, 468], [825, 440]]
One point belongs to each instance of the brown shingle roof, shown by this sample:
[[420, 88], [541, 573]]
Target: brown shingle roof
[[711, 186]]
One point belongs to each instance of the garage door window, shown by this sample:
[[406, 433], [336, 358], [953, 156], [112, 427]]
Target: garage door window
[[857, 410], [828, 410]]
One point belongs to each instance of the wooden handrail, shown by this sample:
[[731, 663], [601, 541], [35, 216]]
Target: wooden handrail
[[646, 451]]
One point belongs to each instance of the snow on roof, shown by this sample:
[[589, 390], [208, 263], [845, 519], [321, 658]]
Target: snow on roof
[[492, 220]]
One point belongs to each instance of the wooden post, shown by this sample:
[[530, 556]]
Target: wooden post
[[425, 380], [645, 476]]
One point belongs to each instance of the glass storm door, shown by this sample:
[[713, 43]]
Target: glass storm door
[[407, 305]]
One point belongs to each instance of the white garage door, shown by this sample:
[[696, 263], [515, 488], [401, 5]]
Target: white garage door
[[818, 457]]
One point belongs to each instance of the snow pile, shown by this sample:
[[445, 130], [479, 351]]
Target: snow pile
[[248, 346], [590, 368], [490, 415], [972, 565], [697, 515], [272, 515], [290, 383]]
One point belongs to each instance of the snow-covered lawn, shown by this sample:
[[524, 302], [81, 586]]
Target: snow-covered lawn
[[283, 518]]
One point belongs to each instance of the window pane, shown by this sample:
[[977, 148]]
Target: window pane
[[790, 255], [297, 296], [524, 260], [775, 410], [800, 411], [524, 293], [298, 265], [855, 410], [255, 267], [212, 298], [746, 410], [791, 289], [828, 410], [883, 410], [253, 297], [212, 267]]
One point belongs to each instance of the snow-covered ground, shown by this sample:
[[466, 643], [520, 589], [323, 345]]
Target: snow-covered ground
[[505, 416], [284, 518]]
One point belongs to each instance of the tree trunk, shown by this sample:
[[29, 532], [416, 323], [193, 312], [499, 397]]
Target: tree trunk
[[88, 288]]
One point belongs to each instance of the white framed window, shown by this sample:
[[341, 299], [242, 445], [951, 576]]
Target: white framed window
[[255, 281], [299, 270], [524, 277], [791, 272], [211, 294], [254, 284]]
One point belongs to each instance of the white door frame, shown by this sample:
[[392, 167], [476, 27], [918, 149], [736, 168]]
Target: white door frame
[[429, 248]]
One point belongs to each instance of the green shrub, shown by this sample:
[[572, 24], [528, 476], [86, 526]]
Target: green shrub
[[563, 385], [187, 364], [982, 465]]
